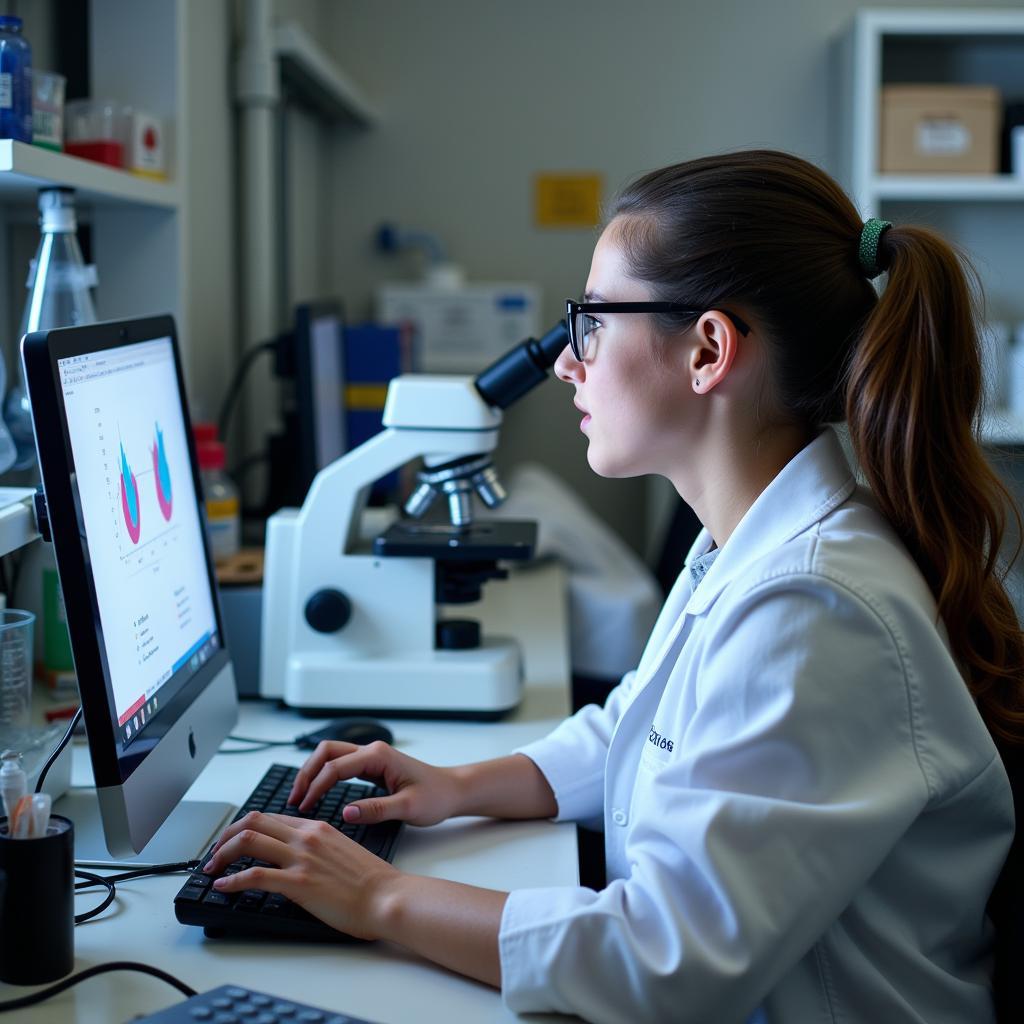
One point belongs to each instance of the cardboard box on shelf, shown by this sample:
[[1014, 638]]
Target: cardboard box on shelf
[[940, 129]]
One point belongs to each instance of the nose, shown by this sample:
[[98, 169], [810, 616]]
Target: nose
[[567, 368]]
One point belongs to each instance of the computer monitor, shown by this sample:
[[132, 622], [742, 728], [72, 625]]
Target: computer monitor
[[122, 492], [311, 362]]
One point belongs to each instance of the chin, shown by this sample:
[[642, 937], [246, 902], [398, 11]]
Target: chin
[[610, 467]]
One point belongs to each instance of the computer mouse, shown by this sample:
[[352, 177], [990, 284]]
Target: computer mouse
[[350, 730]]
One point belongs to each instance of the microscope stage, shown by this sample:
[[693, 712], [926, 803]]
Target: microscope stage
[[490, 540]]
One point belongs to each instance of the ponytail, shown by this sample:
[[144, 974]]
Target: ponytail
[[914, 388]]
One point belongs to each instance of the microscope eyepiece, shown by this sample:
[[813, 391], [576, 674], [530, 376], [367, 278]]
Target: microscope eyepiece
[[520, 370]]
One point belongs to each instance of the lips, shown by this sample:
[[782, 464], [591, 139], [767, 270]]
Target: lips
[[586, 415]]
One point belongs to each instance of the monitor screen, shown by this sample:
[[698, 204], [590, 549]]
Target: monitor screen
[[124, 508], [142, 525]]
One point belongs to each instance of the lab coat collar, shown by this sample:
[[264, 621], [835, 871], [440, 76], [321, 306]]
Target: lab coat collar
[[810, 486]]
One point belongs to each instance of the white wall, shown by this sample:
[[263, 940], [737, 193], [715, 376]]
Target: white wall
[[476, 97]]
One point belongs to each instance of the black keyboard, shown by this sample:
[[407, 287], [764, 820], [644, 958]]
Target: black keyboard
[[255, 912]]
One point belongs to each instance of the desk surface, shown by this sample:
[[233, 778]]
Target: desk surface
[[376, 981]]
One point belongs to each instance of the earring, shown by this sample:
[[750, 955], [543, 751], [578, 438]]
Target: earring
[[696, 383]]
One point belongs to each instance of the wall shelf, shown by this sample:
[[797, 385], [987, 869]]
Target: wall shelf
[[24, 169], [949, 188]]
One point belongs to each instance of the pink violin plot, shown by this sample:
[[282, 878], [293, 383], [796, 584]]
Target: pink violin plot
[[130, 500], [162, 475]]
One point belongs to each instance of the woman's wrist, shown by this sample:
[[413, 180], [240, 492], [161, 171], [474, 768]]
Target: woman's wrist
[[461, 779], [386, 905]]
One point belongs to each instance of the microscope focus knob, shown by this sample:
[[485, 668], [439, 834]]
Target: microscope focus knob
[[328, 610]]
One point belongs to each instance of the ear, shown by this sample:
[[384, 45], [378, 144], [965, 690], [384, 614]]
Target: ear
[[712, 351]]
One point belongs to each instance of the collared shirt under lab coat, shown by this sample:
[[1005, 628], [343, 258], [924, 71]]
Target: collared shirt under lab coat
[[804, 814]]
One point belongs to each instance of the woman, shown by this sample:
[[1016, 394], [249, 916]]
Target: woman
[[804, 807]]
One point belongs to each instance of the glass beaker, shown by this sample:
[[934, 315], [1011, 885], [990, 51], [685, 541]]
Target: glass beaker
[[16, 653]]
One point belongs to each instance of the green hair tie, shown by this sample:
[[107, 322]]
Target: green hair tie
[[867, 251]]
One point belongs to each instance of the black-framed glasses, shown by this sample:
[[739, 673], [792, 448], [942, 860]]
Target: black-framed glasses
[[579, 321]]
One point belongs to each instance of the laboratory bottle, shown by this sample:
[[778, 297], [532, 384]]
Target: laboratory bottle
[[223, 508], [15, 81], [59, 295]]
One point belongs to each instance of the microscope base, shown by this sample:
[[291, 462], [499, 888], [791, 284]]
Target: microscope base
[[485, 682]]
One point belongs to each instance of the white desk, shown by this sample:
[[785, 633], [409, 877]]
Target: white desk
[[376, 981]]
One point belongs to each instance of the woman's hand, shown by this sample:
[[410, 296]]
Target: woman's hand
[[325, 872], [420, 794]]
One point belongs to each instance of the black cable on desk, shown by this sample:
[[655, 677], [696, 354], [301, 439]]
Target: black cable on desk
[[91, 972], [90, 878]]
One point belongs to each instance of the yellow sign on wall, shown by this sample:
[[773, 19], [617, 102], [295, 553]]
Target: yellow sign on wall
[[567, 200]]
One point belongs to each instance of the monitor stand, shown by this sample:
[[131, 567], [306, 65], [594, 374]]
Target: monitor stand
[[185, 835]]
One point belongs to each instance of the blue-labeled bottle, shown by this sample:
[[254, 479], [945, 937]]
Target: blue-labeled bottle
[[15, 81]]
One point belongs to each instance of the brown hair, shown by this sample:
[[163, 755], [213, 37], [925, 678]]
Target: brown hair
[[777, 237]]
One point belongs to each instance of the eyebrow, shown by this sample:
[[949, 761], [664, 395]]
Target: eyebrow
[[593, 297]]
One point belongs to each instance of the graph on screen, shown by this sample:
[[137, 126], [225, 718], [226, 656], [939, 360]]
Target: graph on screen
[[130, 500], [162, 475], [131, 508]]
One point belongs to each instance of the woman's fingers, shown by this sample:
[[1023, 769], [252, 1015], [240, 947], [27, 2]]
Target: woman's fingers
[[278, 826], [360, 763], [249, 843], [325, 751]]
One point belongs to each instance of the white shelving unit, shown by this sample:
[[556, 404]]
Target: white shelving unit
[[983, 213], [24, 169]]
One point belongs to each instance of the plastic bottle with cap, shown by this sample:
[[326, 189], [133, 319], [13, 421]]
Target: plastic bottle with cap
[[59, 284], [223, 509]]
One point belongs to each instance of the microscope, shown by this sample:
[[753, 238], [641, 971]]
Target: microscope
[[353, 623]]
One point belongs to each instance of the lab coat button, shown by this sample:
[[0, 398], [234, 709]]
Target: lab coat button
[[619, 816]]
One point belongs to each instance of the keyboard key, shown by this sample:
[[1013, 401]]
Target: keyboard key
[[191, 893], [234, 992], [217, 899]]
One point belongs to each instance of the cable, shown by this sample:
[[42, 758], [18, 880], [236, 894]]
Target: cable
[[265, 743], [91, 879], [234, 388], [260, 744], [60, 746], [91, 972]]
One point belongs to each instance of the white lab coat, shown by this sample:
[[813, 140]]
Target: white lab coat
[[804, 814]]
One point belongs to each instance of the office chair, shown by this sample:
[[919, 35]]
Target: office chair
[[1006, 908]]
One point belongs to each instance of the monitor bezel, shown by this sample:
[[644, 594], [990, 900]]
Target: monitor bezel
[[113, 765]]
